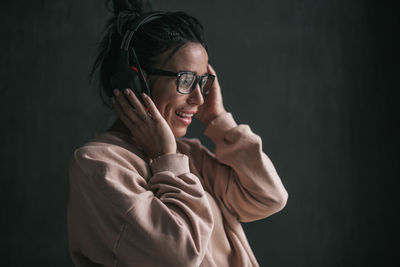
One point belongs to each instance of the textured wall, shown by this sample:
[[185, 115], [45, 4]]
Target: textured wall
[[315, 79]]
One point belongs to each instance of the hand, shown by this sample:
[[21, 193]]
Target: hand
[[213, 105], [149, 129]]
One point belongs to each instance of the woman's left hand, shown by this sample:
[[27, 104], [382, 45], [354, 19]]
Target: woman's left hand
[[213, 105]]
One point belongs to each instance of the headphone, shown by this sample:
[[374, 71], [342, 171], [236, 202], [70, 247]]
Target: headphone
[[127, 75]]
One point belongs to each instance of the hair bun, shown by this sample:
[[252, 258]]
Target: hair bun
[[137, 7]]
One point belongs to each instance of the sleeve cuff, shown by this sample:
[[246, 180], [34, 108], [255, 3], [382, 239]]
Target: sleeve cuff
[[218, 127], [175, 163]]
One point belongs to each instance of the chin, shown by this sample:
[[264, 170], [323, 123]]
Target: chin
[[179, 132]]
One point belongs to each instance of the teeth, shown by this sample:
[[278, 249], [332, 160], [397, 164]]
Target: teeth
[[184, 114]]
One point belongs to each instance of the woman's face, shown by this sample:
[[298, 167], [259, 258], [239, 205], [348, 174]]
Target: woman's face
[[176, 108]]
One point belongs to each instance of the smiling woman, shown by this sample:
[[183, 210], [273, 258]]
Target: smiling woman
[[140, 193]]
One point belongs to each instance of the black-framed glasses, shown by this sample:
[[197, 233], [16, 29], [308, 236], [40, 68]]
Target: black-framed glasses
[[187, 80]]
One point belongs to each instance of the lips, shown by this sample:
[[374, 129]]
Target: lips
[[185, 117], [184, 114]]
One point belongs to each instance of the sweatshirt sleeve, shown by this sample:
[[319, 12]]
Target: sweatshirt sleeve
[[240, 174], [164, 220]]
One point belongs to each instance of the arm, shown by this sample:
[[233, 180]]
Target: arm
[[240, 174], [165, 221]]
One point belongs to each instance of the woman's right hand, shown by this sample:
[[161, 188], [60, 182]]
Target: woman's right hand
[[148, 128]]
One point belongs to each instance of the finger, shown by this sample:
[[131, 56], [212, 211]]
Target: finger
[[153, 110], [126, 108], [211, 70], [138, 106]]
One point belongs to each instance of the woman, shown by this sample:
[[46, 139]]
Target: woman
[[143, 195]]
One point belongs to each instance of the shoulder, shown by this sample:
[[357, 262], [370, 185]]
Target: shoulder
[[190, 146], [106, 152]]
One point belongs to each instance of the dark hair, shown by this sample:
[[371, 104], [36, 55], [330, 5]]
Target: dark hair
[[170, 31]]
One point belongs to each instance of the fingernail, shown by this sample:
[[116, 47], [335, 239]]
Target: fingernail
[[144, 95], [116, 92], [127, 91]]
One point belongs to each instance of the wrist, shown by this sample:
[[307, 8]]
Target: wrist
[[175, 163], [156, 157], [163, 153], [214, 115]]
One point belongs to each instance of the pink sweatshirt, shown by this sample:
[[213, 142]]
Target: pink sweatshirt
[[180, 209]]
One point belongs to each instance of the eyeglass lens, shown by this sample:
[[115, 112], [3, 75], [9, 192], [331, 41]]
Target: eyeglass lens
[[186, 81]]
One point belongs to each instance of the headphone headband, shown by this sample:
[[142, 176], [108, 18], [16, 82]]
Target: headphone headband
[[130, 75], [139, 21]]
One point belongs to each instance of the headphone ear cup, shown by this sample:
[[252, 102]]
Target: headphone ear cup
[[145, 78], [127, 78], [136, 84], [145, 75]]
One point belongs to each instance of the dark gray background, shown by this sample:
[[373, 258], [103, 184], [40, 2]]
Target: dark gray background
[[315, 79]]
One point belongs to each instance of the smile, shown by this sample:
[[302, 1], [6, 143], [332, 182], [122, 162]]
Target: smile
[[184, 118], [184, 115]]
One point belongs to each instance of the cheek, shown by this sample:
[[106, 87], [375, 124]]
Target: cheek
[[165, 97], [167, 105]]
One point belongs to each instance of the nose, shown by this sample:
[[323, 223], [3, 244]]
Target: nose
[[196, 97]]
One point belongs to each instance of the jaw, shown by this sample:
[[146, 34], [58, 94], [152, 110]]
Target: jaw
[[178, 130]]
